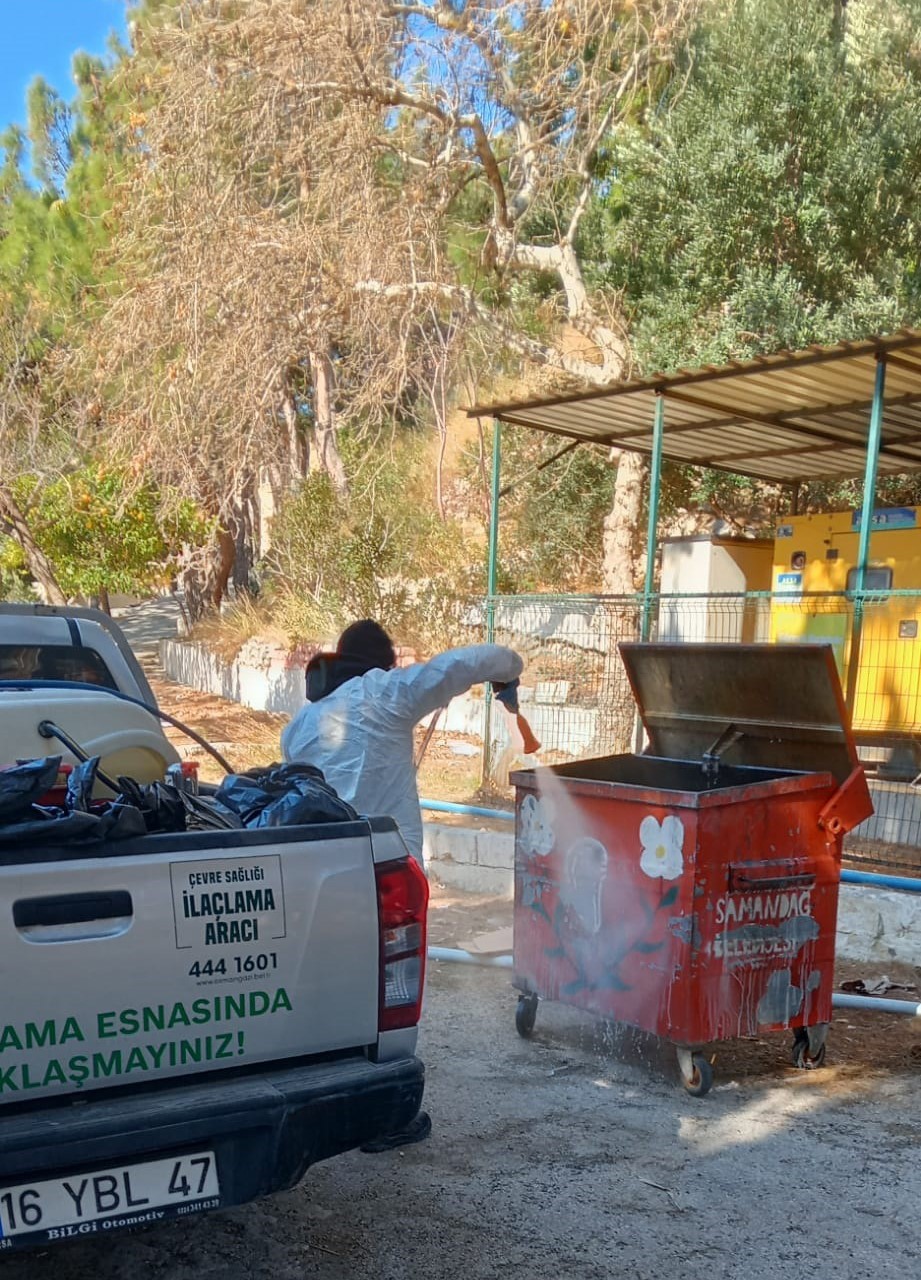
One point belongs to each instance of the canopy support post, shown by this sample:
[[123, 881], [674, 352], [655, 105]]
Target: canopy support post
[[866, 529], [655, 486], [492, 574]]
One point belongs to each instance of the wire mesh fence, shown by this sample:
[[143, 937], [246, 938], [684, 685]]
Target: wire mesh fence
[[579, 703]]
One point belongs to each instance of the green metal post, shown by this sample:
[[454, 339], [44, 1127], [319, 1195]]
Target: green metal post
[[655, 485], [492, 567], [866, 527], [491, 586]]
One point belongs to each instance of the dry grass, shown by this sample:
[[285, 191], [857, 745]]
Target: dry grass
[[226, 633]]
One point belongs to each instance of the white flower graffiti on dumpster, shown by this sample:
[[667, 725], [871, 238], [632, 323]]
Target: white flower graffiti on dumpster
[[586, 868], [662, 847], [606, 923], [535, 830]]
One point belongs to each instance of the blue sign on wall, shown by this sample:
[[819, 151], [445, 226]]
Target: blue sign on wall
[[888, 518]]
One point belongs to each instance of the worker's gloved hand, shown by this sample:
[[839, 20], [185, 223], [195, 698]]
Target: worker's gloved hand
[[507, 693]]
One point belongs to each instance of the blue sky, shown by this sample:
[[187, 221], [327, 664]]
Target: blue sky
[[39, 37]]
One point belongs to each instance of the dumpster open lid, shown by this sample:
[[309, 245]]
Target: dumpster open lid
[[784, 699]]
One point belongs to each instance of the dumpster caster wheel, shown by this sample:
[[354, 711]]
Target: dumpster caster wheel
[[802, 1058], [526, 1015], [696, 1073]]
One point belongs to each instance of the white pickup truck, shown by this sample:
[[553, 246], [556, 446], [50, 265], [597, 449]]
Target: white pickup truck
[[189, 1020]]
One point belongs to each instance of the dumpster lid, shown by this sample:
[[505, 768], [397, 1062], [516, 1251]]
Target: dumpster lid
[[784, 699]]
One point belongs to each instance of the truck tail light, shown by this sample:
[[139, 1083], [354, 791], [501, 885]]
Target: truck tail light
[[402, 903]]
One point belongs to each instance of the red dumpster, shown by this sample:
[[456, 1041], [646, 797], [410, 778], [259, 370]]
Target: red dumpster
[[692, 891]]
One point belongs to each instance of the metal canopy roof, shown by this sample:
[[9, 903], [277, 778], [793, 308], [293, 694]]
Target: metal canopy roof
[[784, 418]]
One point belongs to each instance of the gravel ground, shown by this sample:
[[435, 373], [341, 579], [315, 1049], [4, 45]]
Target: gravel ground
[[573, 1155]]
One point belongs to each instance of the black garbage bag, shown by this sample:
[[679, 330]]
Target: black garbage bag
[[80, 785], [279, 796], [83, 819], [118, 819], [165, 807], [159, 804], [23, 821], [206, 813], [22, 784], [39, 825], [283, 795]]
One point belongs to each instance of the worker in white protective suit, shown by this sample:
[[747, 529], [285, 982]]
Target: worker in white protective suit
[[358, 729]]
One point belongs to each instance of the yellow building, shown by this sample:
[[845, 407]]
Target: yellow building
[[818, 553]]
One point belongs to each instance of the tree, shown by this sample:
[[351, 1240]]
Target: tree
[[105, 531], [383, 552], [329, 200], [235, 340], [508, 109], [51, 222], [20, 359], [774, 203]]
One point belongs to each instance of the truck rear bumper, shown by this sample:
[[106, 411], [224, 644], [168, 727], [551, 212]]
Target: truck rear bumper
[[265, 1130]]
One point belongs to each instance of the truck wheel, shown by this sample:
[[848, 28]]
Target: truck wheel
[[526, 1015]]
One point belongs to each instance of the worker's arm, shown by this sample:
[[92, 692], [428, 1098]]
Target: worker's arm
[[413, 692]]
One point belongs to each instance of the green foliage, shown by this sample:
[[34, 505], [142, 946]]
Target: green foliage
[[552, 520], [49, 135], [15, 582], [766, 199], [102, 531], [53, 221], [382, 553], [773, 204]]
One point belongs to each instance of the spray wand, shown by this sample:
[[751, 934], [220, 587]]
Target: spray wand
[[507, 694]]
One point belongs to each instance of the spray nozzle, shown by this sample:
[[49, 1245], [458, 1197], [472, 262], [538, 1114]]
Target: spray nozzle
[[507, 694]]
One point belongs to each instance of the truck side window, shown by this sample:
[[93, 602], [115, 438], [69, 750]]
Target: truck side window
[[54, 662], [875, 579]]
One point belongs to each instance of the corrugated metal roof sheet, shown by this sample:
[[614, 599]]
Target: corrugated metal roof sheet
[[796, 415]]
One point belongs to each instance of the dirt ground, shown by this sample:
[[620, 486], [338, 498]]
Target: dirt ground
[[858, 1042]]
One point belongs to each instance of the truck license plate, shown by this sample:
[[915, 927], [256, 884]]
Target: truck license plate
[[123, 1196]]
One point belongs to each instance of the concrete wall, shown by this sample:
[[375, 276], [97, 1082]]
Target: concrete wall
[[264, 677], [879, 925], [897, 814], [471, 859], [714, 567], [267, 678]]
